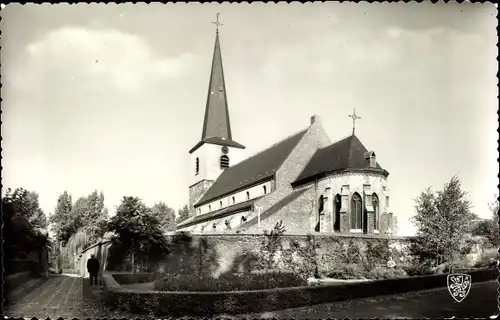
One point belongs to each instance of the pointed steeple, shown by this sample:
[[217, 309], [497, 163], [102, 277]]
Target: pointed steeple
[[216, 124]]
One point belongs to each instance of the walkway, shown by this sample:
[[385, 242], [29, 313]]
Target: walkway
[[59, 296], [434, 303]]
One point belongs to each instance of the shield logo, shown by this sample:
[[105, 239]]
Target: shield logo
[[459, 285]]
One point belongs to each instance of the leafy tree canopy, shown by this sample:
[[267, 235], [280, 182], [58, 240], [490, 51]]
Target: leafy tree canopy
[[165, 215], [443, 219], [183, 214], [137, 230]]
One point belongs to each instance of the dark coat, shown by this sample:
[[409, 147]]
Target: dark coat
[[93, 265]]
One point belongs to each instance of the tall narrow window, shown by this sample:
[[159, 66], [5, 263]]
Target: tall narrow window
[[224, 162], [197, 165], [199, 211], [220, 203], [234, 200], [214, 227], [248, 195], [321, 204], [375, 212], [209, 208], [265, 189], [337, 206], [373, 161], [356, 212]]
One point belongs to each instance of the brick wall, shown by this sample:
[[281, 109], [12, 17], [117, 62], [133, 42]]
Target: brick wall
[[296, 215], [216, 254], [196, 192], [314, 138]]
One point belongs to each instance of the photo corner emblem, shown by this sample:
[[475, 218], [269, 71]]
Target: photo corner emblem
[[459, 285]]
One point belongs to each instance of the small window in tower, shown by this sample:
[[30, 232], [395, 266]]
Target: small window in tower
[[248, 195], [234, 200], [197, 166], [265, 190], [224, 162]]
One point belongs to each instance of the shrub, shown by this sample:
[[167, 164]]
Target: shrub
[[488, 258], [348, 271], [380, 273], [419, 268], [229, 282]]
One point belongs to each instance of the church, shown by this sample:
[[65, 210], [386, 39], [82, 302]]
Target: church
[[308, 182]]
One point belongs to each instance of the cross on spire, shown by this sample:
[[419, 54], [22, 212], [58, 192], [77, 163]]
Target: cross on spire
[[217, 23], [354, 118]]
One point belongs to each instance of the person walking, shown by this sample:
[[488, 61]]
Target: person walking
[[93, 269]]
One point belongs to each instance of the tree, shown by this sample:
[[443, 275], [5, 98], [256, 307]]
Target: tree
[[183, 214], [442, 220], [488, 228], [23, 223], [62, 223], [137, 232], [165, 215]]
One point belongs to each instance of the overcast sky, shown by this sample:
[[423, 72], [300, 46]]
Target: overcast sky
[[112, 97]]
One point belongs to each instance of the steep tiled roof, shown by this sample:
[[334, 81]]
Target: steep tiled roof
[[346, 154], [257, 168], [216, 124], [219, 213]]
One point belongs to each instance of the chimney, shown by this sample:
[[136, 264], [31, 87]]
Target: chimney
[[315, 119]]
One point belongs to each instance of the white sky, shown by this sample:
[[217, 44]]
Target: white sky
[[112, 97]]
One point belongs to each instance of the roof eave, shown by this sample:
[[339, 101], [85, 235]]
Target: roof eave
[[216, 216], [322, 175], [266, 178]]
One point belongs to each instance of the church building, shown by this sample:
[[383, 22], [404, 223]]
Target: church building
[[306, 181]]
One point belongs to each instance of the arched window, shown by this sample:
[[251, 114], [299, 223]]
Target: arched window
[[202, 228], [197, 165], [199, 211], [265, 189], [228, 225], [209, 208], [220, 203], [214, 227], [356, 212], [337, 204], [375, 212], [248, 195], [224, 162], [234, 200], [321, 204], [243, 219]]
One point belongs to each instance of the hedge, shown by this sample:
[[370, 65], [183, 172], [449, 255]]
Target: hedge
[[229, 282], [254, 301]]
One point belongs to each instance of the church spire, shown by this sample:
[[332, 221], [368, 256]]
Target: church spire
[[216, 124]]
